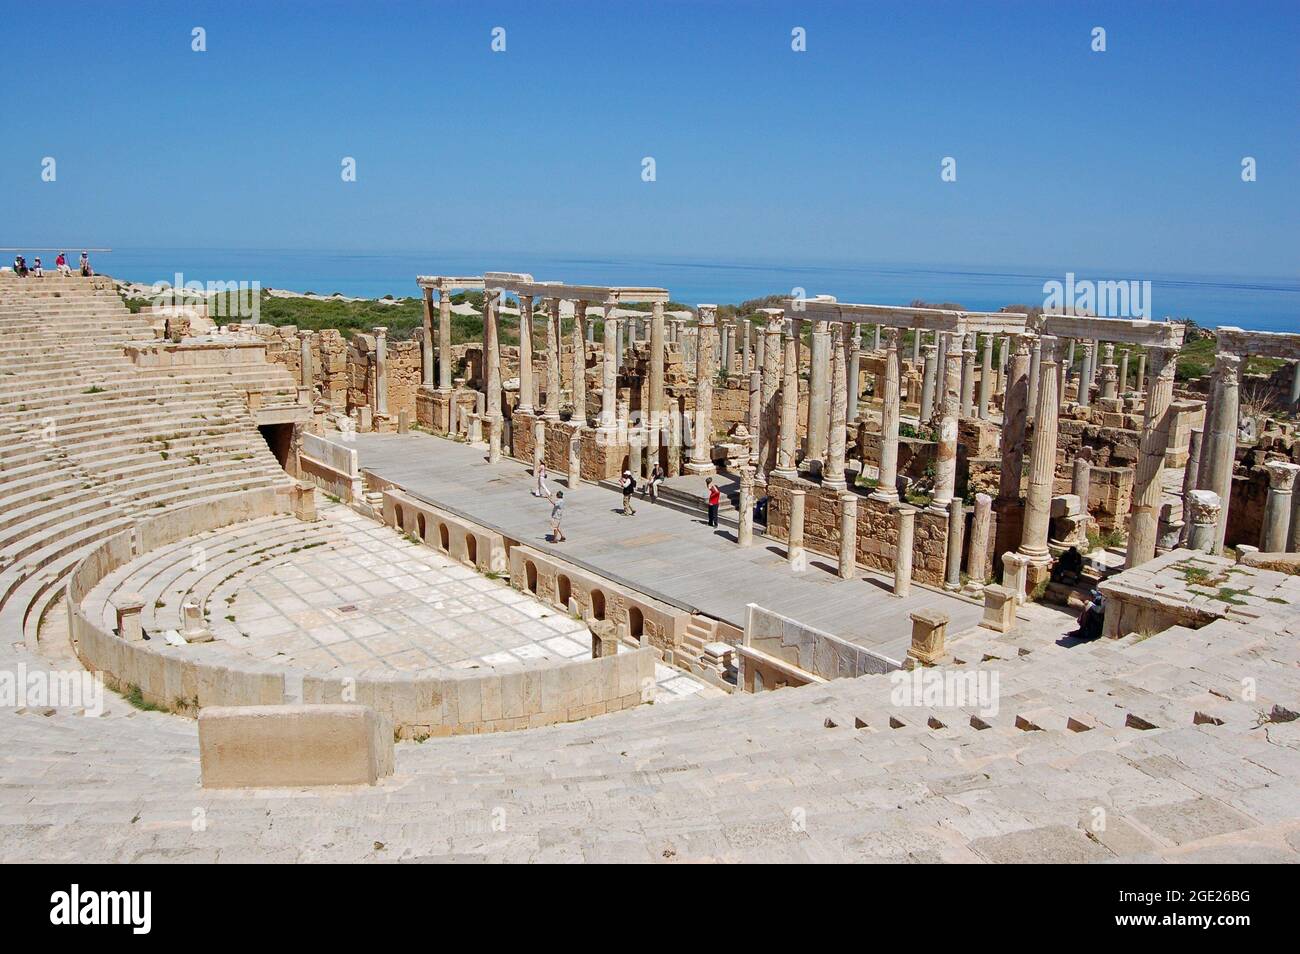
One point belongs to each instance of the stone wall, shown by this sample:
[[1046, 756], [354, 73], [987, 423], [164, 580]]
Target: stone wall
[[877, 531]]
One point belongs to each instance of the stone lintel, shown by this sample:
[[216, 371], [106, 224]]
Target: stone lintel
[[448, 283], [1261, 344], [1144, 332]]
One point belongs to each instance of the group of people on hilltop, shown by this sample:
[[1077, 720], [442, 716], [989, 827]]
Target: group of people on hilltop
[[36, 270]]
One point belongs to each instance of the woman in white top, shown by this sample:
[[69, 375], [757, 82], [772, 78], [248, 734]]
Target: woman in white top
[[542, 490]]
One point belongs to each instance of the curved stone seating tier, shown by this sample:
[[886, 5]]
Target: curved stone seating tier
[[420, 704]]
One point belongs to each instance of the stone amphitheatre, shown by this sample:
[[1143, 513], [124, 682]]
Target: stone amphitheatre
[[318, 583]]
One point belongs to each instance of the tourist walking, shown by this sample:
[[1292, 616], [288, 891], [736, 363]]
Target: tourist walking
[[61, 265], [715, 500], [557, 515], [541, 490], [629, 488]]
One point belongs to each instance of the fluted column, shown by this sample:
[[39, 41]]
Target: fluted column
[[818, 391], [579, 358], [1035, 374], [702, 433], [1276, 530], [492, 347], [553, 386], [444, 339], [1220, 457], [771, 414], [609, 370], [1085, 375], [945, 457], [890, 412], [1042, 459], [526, 354], [1202, 517], [785, 459], [656, 400], [1144, 517], [833, 477]]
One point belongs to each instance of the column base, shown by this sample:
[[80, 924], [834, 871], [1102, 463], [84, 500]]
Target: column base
[[700, 469]]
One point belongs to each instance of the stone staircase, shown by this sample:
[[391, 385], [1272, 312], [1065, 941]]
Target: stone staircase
[[93, 443]]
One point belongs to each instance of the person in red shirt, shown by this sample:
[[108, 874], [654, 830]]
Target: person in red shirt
[[715, 498], [61, 264]]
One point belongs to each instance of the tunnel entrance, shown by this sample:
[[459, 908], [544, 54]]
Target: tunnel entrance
[[278, 437]]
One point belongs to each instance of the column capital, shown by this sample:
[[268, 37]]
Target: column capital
[[707, 314], [380, 331]]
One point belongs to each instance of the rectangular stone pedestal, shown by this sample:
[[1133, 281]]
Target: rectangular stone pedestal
[[433, 409], [602, 455]]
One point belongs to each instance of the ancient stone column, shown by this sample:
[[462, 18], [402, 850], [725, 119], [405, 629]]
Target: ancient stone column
[[785, 459], [794, 552], [426, 343], [1142, 372], [1202, 518], [609, 370], [1144, 517], [941, 342], [977, 553], [887, 486], [755, 422], [818, 392], [1035, 373], [1080, 481], [916, 345], [771, 416], [905, 528], [967, 376], [1293, 538], [575, 463], [952, 559], [928, 381], [746, 354], [591, 327], [848, 567], [1123, 372], [1042, 462], [1191, 476], [526, 354], [1221, 438], [620, 349], [1015, 410], [579, 358], [945, 457], [381, 372], [745, 527], [539, 445], [833, 476], [553, 386], [304, 359], [1295, 385], [656, 423], [986, 378], [702, 434], [1085, 375], [760, 349], [444, 339], [875, 340], [1276, 531], [855, 367]]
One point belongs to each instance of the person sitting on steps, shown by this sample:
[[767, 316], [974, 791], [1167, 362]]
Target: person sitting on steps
[[1068, 568]]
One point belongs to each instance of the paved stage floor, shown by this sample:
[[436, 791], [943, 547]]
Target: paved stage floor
[[662, 552]]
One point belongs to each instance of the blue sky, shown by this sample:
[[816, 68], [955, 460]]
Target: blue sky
[[1128, 159]]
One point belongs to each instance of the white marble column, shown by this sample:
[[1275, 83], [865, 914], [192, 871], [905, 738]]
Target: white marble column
[[1042, 460], [855, 367], [770, 429], [819, 360], [945, 456], [582, 332], [1220, 438], [967, 376], [526, 354], [887, 486], [833, 473], [786, 462], [1276, 530], [426, 343], [986, 378], [553, 386], [1144, 517], [905, 531], [1035, 374], [848, 562], [1202, 518], [609, 370], [444, 339], [702, 433], [929, 381]]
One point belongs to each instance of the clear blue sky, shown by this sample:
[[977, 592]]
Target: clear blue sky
[[1128, 159]]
